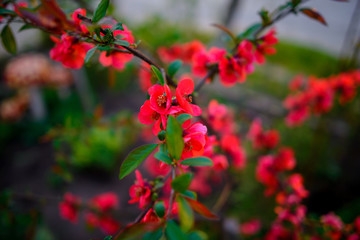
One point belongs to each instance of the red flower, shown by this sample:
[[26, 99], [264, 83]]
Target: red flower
[[69, 51], [220, 162], [183, 90], [220, 118], [299, 108], [231, 145], [151, 217], [261, 139], [285, 159], [109, 225], [321, 94], [266, 47], [185, 52], [230, 72], [202, 60], [296, 182], [105, 202], [140, 192], [195, 140], [266, 175], [78, 22], [250, 227], [69, 207]]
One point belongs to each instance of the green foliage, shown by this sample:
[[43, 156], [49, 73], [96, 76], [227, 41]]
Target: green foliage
[[89, 54], [183, 117], [135, 158], [8, 39], [157, 73], [164, 157], [100, 10], [174, 67], [198, 161], [186, 215], [173, 231], [182, 182], [174, 139], [160, 208]]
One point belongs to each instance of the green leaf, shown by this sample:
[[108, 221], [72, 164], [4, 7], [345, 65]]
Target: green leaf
[[264, 14], [122, 43], [118, 26], [190, 194], [108, 238], [89, 54], [182, 182], [25, 27], [183, 117], [186, 214], [162, 156], [135, 158], [8, 39], [100, 11], [198, 161], [174, 67], [249, 33], [104, 48], [160, 208], [4, 11], [173, 232], [174, 139], [157, 74]]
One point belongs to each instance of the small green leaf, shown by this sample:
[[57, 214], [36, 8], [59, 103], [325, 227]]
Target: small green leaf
[[89, 54], [183, 117], [25, 27], [108, 238], [174, 67], [264, 14], [186, 214], [163, 157], [198, 161], [122, 43], [182, 182], [8, 39], [173, 232], [4, 11], [104, 48], [157, 74], [249, 33], [174, 139], [160, 208], [190, 194], [118, 26], [100, 11], [135, 158]]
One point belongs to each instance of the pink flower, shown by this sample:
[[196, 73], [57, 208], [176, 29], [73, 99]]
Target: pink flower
[[266, 175], [266, 47], [140, 192], [260, 138], [150, 217]]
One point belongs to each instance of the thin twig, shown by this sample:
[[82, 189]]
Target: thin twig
[[172, 194]]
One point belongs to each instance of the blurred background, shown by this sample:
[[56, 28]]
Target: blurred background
[[67, 130]]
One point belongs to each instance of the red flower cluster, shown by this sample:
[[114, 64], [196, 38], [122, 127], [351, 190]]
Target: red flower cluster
[[261, 139], [317, 95], [161, 105], [184, 52], [232, 68], [269, 167], [140, 192], [98, 211]]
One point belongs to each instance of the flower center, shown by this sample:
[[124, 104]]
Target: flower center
[[161, 101], [188, 147]]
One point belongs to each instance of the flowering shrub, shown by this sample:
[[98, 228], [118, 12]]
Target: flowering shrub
[[195, 146]]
